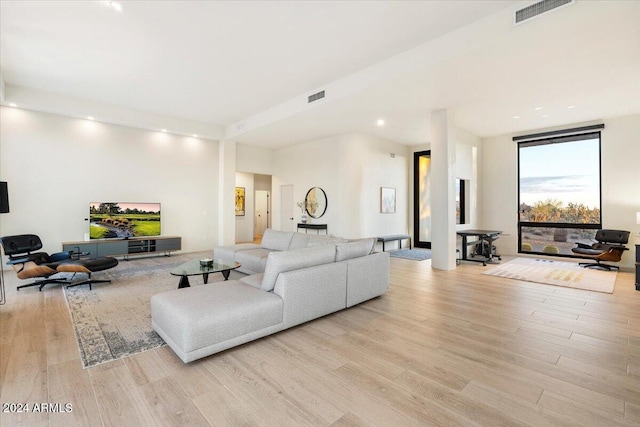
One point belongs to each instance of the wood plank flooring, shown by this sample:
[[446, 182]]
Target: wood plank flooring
[[440, 348]]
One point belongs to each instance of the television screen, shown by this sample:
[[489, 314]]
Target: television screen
[[123, 220]]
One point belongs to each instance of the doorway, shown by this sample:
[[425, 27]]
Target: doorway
[[422, 199], [286, 208], [263, 212]]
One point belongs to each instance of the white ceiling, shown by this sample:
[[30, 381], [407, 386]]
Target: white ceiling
[[223, 63]]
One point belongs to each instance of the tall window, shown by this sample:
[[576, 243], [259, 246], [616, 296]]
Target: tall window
[[559, 193], [422, 199], [461, 201]]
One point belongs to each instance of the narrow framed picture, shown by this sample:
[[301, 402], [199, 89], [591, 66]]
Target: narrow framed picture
[[240, 201], [387, 200]]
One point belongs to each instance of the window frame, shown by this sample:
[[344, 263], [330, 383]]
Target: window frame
[[462, 195], [559, 137]]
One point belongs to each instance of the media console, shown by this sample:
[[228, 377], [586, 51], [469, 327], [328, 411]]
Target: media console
[[126, 247]]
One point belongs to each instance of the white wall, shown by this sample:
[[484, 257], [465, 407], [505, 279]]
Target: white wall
[[620, 183], [56, 165], [468, 152], [350, 168], [254, 160]]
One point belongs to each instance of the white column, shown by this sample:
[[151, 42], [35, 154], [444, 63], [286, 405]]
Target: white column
[[443, 201], [226, 193]]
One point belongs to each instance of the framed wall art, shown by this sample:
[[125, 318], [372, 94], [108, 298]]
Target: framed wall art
[[240, 201], [387, 200]]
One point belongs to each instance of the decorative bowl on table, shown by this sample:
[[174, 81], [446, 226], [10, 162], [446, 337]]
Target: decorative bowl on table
[[207, 262]]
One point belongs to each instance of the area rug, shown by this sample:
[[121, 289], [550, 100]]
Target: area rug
[[414, 254], [113, 320], [557, 273]]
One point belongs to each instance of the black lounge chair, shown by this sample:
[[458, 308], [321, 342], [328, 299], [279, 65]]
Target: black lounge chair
[[609, 246], [42, 267]]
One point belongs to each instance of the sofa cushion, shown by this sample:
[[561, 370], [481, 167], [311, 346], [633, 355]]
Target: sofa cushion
[[198, 316], [276, 240], [355, 249], [279, 262], [299, 241], [228, 252], [373, 241], [253, 260], [254, 280]]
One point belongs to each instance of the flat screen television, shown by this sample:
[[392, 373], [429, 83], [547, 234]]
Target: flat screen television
[[109, 220]]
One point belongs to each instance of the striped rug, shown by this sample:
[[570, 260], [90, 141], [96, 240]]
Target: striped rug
[[557, 273]]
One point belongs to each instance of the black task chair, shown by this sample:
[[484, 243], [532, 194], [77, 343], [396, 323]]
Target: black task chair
[[29, 264], [33, 265], [609, 246]]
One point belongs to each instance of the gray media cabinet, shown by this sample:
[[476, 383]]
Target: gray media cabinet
[[126, 247]]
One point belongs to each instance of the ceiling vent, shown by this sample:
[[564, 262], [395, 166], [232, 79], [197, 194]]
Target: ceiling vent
[[316, 96], [539, 8]]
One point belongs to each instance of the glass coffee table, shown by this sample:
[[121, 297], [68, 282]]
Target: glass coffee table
[[193, 268]]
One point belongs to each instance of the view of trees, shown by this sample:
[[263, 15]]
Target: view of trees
[[552, 210], [113, 209]]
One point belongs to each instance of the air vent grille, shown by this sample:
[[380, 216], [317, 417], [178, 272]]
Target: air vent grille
[[316, 96], [538, 9]]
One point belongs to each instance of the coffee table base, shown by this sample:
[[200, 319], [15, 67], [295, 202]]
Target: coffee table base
[[184, 280]]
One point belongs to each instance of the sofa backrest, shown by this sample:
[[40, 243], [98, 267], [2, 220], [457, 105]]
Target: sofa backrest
[[276, 240], [317, 240], [304, 240], [354, 249], [279, 262]]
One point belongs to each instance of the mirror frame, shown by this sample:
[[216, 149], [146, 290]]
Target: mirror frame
[[326, 202]]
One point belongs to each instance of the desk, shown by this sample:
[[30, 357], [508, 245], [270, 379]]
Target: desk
[[316, 227], [482, 235]]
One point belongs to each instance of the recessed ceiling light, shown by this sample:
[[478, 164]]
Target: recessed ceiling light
[[571, 106], [380, 122], [116, 6], [516, 117], [89, 117], [538, 108], [11, 104], [545, 115]]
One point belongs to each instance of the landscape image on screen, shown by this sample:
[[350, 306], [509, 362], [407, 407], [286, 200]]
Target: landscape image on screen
[[123, 220]]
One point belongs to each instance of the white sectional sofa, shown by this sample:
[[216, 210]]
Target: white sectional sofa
[[253, 257], [296, 286]]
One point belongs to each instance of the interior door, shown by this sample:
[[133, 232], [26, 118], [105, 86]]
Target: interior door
[[286, 208], [422, 199], [262, 212]]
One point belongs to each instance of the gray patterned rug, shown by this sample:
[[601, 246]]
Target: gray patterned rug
[[113, 320], [414, 254]]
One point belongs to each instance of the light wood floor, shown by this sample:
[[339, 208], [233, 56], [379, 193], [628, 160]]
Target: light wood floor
[[440, 348]]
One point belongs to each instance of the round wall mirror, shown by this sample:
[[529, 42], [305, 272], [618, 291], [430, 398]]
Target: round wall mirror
[[316, 202]]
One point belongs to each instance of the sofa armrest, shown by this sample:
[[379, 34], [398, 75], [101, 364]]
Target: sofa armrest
[[367, 277]]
